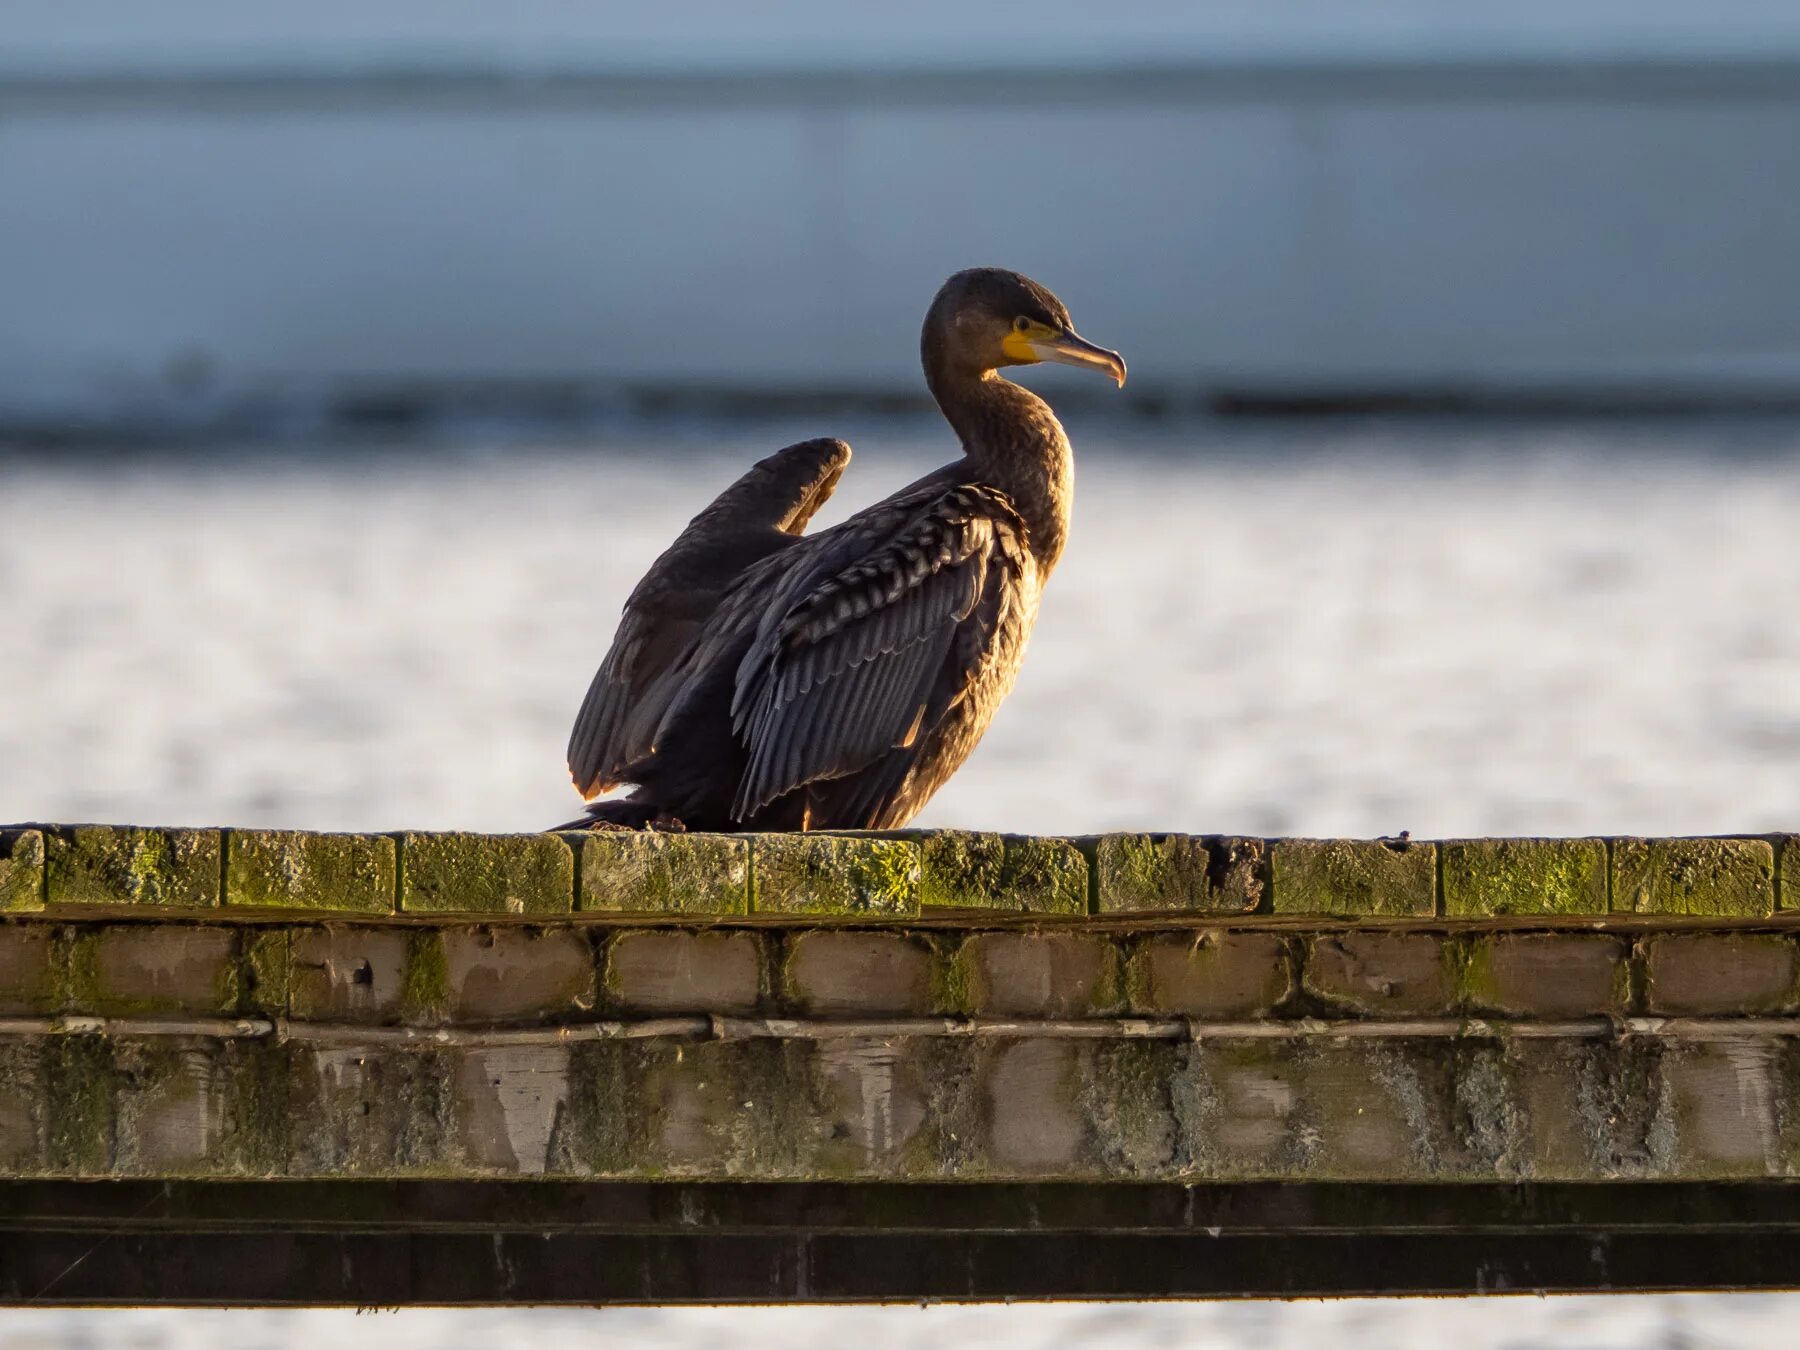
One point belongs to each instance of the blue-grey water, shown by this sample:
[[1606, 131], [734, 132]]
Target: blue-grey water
[[1316, 628]]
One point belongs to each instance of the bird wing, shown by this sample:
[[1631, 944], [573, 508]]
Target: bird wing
[[760, 514], [846, 671]]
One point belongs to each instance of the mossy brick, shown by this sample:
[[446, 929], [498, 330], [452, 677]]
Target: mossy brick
[[1720, 974], [1040, 975], [673, 971], [1524, 876], [1790, 871], [844, 972], [1374, 878], [348, 973], [21, 871], [1713, 877], [1210, 974], [494, 975], [30, 963], [965, 870], [293, 869], [486, 874], [649, 872], [835, 875], [1378, 972], [1542, 974], [127, 970], [130, 865], [1178, 873], [265, 968]]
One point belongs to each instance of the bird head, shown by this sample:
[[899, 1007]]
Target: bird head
[[986, 318]]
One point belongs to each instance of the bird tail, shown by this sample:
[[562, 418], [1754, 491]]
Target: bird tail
[[619, 813]]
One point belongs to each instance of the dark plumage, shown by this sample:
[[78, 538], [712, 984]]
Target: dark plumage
[[766, 679]]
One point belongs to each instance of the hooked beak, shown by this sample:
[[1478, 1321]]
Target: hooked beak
[[1071, 349]]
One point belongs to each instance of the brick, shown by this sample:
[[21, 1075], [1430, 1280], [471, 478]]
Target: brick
[[963, 870], [1790, 871], [1716, 877], [21, 871], [1178, 873], [292, 869], [144, 969], [164, 1118], [1546, 975], [21, 1109], [1710, 974], [1032, 1093], [357, 1111], [655, 971], [853, 971], [648, 872], [1723, 1101], [509, 1100], [518, 974], [347, 974], [486, 874], [874, 1103], [1229, 975], [128, 865], [1524, 876], [1039, 975], [29, 968], [822, 874], [1355, 877], [1377, 973], [265, 970]]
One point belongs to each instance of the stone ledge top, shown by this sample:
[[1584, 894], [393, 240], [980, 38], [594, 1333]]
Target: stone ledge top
[[899, 876]]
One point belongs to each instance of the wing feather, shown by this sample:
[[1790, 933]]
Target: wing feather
[[650, 662], [843, 674]]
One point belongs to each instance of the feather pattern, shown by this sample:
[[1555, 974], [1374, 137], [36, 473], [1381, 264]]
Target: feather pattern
[[840, 676], [648, 666]]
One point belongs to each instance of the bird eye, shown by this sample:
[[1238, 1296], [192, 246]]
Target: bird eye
[[1021, 323]]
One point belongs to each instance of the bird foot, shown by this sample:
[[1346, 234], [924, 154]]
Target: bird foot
[[666, 825]]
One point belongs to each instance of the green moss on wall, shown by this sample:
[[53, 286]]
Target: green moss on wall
[[1375, 878], [127, 865], [21, 871], [964, 870], [1715, 877], [1179, 873], [647, 872], [292, 869], [821, 874], [1524, 876], [486, 874]]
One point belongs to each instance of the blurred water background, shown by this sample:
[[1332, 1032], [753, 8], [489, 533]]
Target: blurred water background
[[356, 359]]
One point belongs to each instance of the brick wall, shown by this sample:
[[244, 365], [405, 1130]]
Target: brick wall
[[194, 1003]]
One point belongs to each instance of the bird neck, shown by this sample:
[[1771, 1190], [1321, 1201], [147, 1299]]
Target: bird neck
[[1013, 441]]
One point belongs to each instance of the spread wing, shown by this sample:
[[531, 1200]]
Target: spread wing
[[762, 513], [853, 667]]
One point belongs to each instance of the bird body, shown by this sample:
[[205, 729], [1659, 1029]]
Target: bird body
[[762, 678]]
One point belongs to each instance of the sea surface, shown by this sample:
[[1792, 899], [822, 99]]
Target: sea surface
[[1332, 627]]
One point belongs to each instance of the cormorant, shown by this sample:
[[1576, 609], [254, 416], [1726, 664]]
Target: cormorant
[[766, 679]]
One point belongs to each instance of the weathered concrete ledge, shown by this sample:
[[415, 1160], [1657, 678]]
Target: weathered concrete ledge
[[214, 1005]]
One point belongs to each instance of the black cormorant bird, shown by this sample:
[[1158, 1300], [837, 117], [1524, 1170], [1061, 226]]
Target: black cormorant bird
[[766, 679]]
